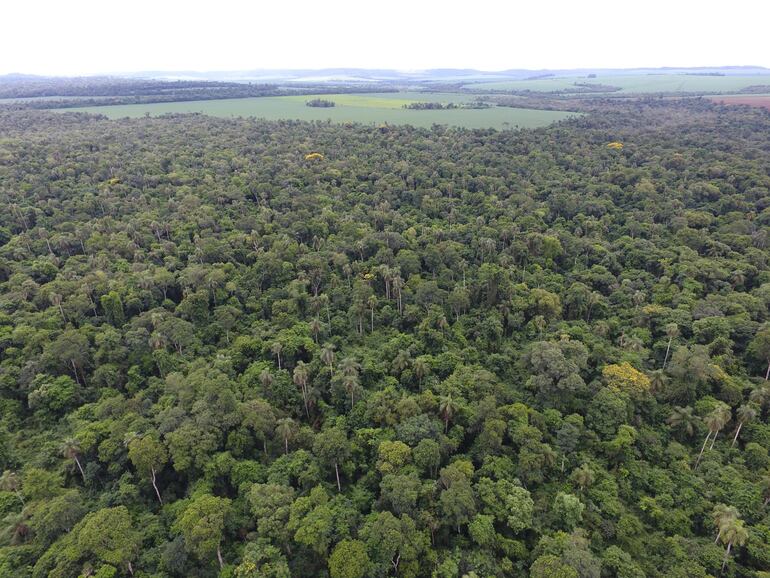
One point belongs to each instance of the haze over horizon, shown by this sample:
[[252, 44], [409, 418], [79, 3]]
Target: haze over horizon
[[92, 37]]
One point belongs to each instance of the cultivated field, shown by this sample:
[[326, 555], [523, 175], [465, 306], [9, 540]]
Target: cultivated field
[[639, 83], [762, 101], [373, 108]]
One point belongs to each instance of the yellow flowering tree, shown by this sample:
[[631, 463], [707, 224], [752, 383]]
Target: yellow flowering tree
[[625, 378]]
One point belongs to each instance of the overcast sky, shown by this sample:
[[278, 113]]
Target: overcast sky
[[106, 36]]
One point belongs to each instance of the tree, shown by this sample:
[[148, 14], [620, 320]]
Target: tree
[[349, 366], [332, 446], [71, 349], [349, 559], [259, 416], [11, 482], [202, 523], [71, 450], [457, 503], [733, 533], [427, 456], [583, 477], [421, 369], [715, 421], [760, 348], [271, 505], [393, 543], [550, 566], [745, 414], [723, 515], [672, 332], [447, 407], [568, 509], [300, 379], [109, 535], [682, 418], [327, 355], [286, 428], [262, 561], [149, 456], [276, 348]]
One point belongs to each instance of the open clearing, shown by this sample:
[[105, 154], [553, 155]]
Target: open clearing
[[634, 83], [375, 108]]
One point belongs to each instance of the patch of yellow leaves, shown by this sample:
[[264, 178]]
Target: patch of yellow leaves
[[314, 156], [626, 378], [615, 145]]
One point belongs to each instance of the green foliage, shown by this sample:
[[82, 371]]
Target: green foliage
[[431, 352]]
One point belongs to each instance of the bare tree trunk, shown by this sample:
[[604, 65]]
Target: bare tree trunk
[[714, 439], [668, 349], [727, 555], [219, 557], [285, 445], [700, 455], [767, 373], [735, 439], [304, 398], [337, 472], [82, 474], [75, 370], [154, 485], [130, 568]]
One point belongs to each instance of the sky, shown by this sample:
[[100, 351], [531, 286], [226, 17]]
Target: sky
[[105, 36]]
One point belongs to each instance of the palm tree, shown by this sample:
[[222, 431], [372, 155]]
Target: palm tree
[[745, 414], [761, 396], [682, 418], [722, 516], [715, 421], [285, 428], [327, 355], [350, 383], [266, 378], [420, 368], [672, 331], [401, 361], [658, 380], [349, 366], [734, 533], [723, 415], [70, 449], [300, 379], [315, 328], [276, 348], [447, 407], [10, 482]]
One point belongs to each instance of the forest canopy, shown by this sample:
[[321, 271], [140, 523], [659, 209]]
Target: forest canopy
[[239, 348]]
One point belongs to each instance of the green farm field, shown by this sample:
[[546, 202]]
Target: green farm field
[[375, 108], [634, 83]]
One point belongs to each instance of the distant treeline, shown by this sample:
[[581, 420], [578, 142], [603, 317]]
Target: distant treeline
[[756, 89], [320, 103], [103, 91], [445, 106]]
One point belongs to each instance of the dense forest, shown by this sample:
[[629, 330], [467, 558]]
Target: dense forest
[[419, 353]]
